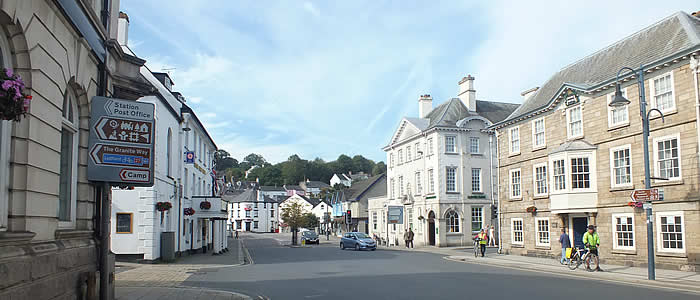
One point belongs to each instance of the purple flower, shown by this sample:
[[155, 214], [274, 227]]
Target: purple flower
[[9, 73], [6, 85]]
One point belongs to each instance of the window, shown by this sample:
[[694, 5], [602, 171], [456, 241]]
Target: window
[[515, 184], [419, 185], [516, 231], [477, 218], [662, 92], [247, 213], [671, 231], [618, 116], [391, 160], [169, 151], [431, 182], [125, 222], [408, 154], [623, 231], [391, 189], [667, 157], [450, 145], [540, 172], [451, 179], [621, 166], [514, 137], [474, 145], [430, 146], [401, 193], [400, 157], [476, 180], [542, 231], [5, 132], [419, 153], [452, 221], [255, 224], [238, 213], [538, 135], [272, 213], [575, 122], [68, 178], [409, 216], [580, 173], [374, 220], [559, 175], [255, 213]]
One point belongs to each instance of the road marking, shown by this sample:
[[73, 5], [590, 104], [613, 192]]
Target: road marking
[[247, 253]]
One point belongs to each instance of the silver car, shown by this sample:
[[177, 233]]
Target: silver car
[[358, 241]]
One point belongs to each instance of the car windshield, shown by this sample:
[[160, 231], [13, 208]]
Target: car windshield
[[361, 236], [309, 233]]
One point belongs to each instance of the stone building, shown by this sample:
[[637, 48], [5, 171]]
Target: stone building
[[441, 167], [67, 53], [567, 159]]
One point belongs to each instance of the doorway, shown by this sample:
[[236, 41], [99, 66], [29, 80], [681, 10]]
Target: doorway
[[247, 226], [579, 225], [431, 228]]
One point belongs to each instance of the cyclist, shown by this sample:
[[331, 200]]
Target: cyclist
[[592, 242], [482, 239]]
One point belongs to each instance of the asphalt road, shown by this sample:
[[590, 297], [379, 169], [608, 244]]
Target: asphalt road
[[326, 272]]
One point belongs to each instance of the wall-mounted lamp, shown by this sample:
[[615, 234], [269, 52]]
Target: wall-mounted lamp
[[186, 129]]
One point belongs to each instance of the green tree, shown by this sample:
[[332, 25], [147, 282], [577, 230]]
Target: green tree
[[343, 164], [379, 168], [361, 164], [224, 161], [254, 160], [293, 216], [310, 220]]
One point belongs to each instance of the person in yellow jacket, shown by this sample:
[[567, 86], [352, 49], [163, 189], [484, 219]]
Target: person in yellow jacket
[[483, 239], [592, 241]]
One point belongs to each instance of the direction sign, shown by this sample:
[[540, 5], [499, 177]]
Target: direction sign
[[645, 195], [395, 214], [121, 142]]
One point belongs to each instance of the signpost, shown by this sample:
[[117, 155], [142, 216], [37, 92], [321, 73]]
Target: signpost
[[395, 214], [645, 195], [121, 142]]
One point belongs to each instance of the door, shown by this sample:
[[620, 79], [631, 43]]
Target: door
[[579, 227], [431, 229], [247, 226], [191, 235]]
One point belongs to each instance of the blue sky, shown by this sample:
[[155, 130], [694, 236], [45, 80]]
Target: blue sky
[[321, 78]]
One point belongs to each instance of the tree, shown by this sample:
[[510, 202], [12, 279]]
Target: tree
[[224, 161], [343, 164], [310, 220], [379, 168], [361, 164], [254, 160], [293, 216]]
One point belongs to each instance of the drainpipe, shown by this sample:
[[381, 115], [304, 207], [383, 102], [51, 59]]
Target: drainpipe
[[695, 70], [500, 212]]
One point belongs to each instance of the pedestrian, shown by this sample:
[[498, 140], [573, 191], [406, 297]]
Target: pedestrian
[[236, 233], [410, 238], [592, 241], [481, 238], [328, 234], [565, 242], [405, 238], [492, 236]]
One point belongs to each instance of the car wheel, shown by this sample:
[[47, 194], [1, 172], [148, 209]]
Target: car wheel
[[374, 249], [357, 247], [342, 247]]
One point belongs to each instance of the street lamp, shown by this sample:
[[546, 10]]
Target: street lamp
[[619, 101]]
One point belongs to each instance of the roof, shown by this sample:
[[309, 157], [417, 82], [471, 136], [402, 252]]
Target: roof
[[269, 188], [237, 196], [342, 176], [448, 113], [316, 184], [358, 176], [372, 187], [678, 33], [292, 187]]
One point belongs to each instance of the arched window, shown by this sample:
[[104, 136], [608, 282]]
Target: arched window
[[168, 154], [69, 162], [5, 133], [452, 221]]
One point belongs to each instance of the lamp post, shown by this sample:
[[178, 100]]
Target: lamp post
[[619, 101]]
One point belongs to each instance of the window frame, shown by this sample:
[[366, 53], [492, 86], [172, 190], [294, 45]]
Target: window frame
[[555, 187], [73, 126], [401, 190], [447, 190], [5, 142], [656, 140], [392, 191], [431, 181], [613, 174], [611, 110], [535, 179], [659, 234], [454, 144], [419, 185], [430, 146], [513, 231], [652, 88], [533, 124], [391, 160], [418, 151], [590, 172], [452, 220], [479, 217], [480, 184], [408, 154], [131, 223], [511, 142], [569, 130], [615, 232], [520, 184], [474, 142], [548, 232]]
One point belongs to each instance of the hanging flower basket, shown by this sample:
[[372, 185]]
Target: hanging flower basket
[[531, 209], [205, 205], [421, 218], [163, 206], [635, 204], [188, 211], [13, 102]]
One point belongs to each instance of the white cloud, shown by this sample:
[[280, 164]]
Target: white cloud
[[308, 6], [194, 100]]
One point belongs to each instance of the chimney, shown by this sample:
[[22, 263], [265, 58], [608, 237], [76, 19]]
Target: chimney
[[529, 93], [425, 105], [696, 14], [467, 93], [123, 29]]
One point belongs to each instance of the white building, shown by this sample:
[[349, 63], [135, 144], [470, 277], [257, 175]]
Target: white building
[[313, 188], [306, 205], [441, 168], [251, 210], [341, 179], [321, 209]]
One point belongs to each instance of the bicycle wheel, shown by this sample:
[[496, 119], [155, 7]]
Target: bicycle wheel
[[476, 250], [574, 262], [592, 262]]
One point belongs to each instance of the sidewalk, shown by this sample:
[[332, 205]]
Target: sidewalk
[[154, 293], [673, 279]]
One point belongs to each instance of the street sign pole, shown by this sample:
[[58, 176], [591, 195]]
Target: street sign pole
[[647, 177], [106, 271]]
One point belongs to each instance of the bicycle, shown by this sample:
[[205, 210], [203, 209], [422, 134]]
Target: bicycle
[[477, 247], [583, 255]]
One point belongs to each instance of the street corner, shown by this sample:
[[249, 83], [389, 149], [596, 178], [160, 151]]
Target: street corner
[[127, 293]]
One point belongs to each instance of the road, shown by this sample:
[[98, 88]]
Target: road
[[326, 272]]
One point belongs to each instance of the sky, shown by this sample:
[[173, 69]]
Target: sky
[[324, 78]]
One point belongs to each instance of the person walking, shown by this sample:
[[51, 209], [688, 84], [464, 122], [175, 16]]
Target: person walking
[[405, 238], [410, 238], [481, 238], [492, 236], [565, 242], [592, 241]]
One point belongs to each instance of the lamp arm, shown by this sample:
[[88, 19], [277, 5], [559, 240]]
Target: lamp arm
[[617, 77], [658, 111]]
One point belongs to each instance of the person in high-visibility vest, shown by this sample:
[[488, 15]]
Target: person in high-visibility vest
[[482, 239], [592, 241]]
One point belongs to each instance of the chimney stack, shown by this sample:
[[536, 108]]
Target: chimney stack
[[425, 105], [467, 93], [529, 93], [123, 29]]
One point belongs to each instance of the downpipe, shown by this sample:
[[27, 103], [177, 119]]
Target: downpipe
[[695, 70]]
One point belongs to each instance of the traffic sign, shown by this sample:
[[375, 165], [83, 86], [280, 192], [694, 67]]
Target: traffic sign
[[645, 195], [121, 141]]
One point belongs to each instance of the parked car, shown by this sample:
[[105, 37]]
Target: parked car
[[358, 241], [311, 237]]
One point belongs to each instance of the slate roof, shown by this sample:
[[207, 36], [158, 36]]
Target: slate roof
[[676, 34], [238, 196], [342, 176], [448, 113], [317, 184], [269, 188], [293, 187], [372, 187]]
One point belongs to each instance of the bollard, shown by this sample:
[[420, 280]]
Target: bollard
[[303, 242]]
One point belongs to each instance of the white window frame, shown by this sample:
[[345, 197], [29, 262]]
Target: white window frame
[[479, 218], [408, 154], [419, 185], [418, 151], [615, 232], [659, 234], [652, 94], [455, 190], [400, 153], [392, 186], [391, 160], [513, 231], [75, 127], [612, 110], [5, 142], [535, 145], [613, 175], [430, 146], [569, 128], [409, 217], [454, 144], [401, 190], [591, 172], [656, 141], [431, 181], [514, 143], [554, 174], [474, 146], [451, 227], [476, 188], [520, 184], [534, 179], [537, 232]]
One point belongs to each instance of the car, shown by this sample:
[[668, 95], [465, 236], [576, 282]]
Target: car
[[357, 241], [310, 237]]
